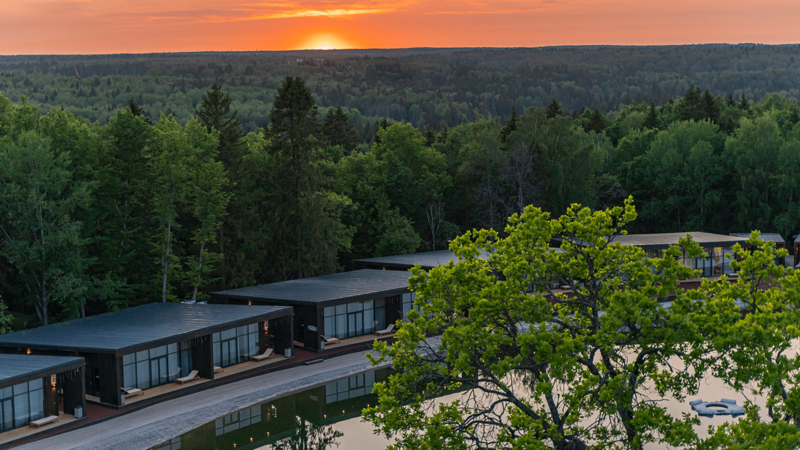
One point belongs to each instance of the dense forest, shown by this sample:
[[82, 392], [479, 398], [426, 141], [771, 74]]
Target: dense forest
[[147, 202], [434, 87]]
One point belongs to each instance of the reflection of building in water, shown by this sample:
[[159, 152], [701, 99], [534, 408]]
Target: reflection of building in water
[[239, 419], [341, 400], [303, 417], [351, 387]]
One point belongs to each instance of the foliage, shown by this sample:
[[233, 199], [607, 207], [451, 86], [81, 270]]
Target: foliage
[[548, 370]]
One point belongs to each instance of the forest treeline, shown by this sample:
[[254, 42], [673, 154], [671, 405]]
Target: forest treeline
[[423, 87], [97, 217]]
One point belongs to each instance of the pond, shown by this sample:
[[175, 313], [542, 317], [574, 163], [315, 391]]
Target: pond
[[318, 418], [329, 417]]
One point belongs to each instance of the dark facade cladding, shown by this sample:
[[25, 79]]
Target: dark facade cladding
[[426, 260], [340, 305], [154, 344], [35, 386]]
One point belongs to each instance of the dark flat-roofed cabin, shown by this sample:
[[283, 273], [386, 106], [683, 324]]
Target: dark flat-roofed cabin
[[341, 305], [768, 237], [426, 260], [718, 248], [152, 345], [33, 386]]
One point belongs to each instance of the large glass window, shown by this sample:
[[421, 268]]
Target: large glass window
[[157, 366], [352, 319], [236, 345], [21, 404]]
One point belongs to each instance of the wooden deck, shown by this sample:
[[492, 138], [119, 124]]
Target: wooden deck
[[173, 387], [19, 433], [356, 340]]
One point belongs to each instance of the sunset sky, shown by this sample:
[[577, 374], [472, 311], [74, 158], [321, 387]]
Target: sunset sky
[[126, 26]]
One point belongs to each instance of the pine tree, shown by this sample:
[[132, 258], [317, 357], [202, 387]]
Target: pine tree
[[729, 99], [293, 147], [596, 123], [338, 131], [710, 107], [651, 120], [511, 125], [384, 124], [442, 138], [430, 136], [215, 113], [554, 109], [744, 104], [137, 110]]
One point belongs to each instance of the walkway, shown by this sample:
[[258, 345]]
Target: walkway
[[151, 426]]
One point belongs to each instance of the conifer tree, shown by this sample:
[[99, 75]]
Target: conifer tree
[[651, 119], [137, 110], [215, 113], [744, 104], [511, 125], [338, 131], [554, 109]]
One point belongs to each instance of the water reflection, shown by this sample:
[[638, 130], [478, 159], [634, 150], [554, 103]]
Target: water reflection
[[302, 421]]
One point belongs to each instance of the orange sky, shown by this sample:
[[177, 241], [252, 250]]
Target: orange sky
[[135, 26]]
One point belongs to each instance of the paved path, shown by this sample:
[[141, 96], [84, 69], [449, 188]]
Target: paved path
[[151, 426]]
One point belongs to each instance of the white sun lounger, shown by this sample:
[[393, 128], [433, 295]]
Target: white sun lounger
[[266, 355], [132, 392], [388, 330], [191, 377]]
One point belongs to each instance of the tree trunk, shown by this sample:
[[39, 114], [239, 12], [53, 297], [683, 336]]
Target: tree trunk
[[165, 256], [199, 271]]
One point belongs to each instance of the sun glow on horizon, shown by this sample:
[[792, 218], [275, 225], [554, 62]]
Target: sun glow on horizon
[[325, 41]]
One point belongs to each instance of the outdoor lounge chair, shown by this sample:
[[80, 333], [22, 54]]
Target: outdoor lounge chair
[[330, 341], [191, 377], [266, 355], [43, 421], [218, 369], [388, 330], [132, 392]]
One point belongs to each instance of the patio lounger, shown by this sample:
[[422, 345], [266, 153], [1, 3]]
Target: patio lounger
[[191, 377], [218, 369], [132, 392], [266, 355], [43, 421], [330, 341], [388, 330]]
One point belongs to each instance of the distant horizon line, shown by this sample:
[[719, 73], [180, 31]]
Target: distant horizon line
[[584, 46]]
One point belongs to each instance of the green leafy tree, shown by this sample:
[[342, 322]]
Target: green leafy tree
[[40, 238], [755, 351], [5, 318], [548, 369]]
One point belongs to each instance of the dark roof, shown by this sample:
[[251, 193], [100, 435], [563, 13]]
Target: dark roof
[[15, 369], [664, 240], [426, 260], [148, 324], [358, 284], [766, 237]]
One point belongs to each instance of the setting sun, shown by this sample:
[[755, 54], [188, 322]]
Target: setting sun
[[325, 41]]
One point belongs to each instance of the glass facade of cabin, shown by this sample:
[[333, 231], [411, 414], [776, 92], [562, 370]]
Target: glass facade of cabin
[[21, 404], [155, 344], [716, 263], [157, 366], [338, 306]]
